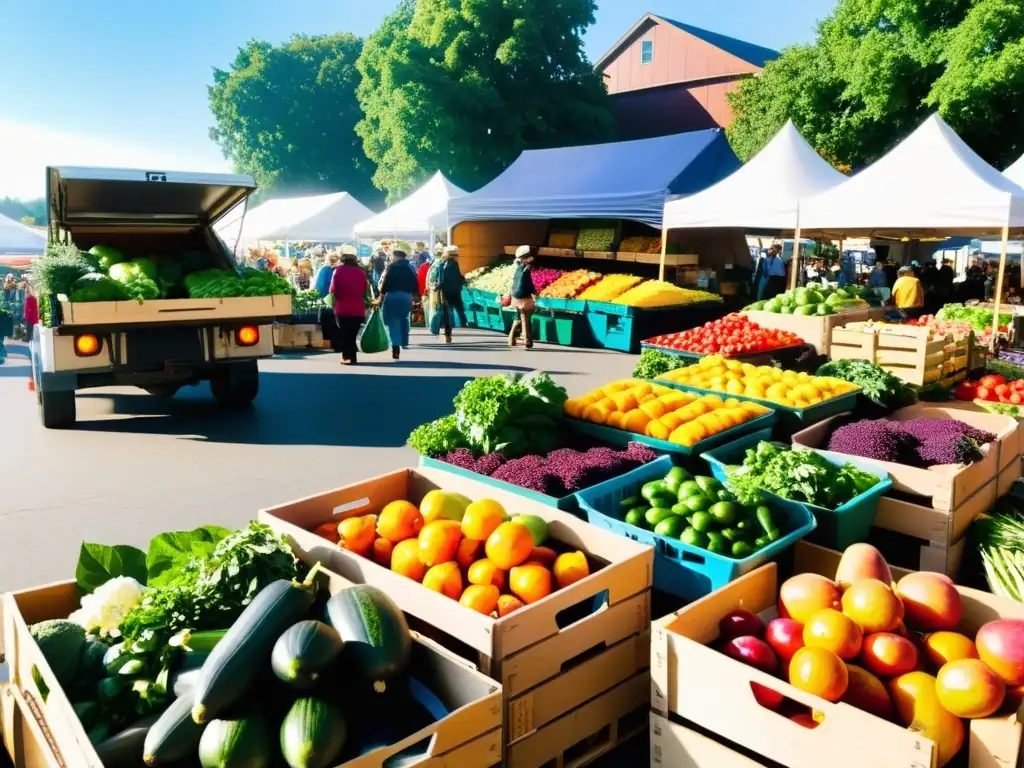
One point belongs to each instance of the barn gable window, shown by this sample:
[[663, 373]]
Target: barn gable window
[[647, 52]]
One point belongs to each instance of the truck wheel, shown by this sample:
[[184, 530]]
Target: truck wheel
[[162, 390], [57, 409], [236, 384]]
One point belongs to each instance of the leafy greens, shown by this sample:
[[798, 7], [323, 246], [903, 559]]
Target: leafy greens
[[878, 385]]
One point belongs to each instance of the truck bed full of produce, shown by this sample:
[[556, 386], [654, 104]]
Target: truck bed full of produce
[[250, 308]]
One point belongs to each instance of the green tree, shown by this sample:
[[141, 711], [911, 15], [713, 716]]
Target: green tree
[[287, 116], [878, 68], [463, 86]]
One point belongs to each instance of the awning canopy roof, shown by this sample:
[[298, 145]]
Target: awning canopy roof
[[322, 218], [1015, 172], [16, 238], [624, 180], [930, 184], [764, 194], [415, 217]]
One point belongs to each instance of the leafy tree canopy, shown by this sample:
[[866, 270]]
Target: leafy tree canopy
[[287, 116], [463, 86], [20, 210], [878, 68]]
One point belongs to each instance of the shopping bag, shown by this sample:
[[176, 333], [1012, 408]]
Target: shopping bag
[[374, 337], [435, 314]]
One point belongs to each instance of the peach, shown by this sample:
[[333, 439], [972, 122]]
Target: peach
[[968, 688], [873, 606], [803, 595], [859, 562], [820, 672], [888, 655], [867, 692], [832, 630], [940, 648], [930, 601], [1000, 645]]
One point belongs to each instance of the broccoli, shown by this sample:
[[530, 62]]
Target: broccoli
[[61, 642]]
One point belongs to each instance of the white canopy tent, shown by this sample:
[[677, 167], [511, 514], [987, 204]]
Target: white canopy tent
[[763, 194], [418, 216], [1015, 172], [322, 218], [17, 239]]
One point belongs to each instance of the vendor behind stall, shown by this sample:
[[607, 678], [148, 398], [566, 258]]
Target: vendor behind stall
[[908, 293], [770, 275]]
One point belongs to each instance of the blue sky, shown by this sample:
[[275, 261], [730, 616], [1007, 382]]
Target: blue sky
[[123, 82]]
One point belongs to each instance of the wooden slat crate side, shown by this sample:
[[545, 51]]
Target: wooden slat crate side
[[676, 746]]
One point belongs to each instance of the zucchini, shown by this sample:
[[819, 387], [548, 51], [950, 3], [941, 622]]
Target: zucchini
[[376, 635], [186, 672], [174, 736], [124, 747], [205, 641], [313, 734], [304, 651], [245, 650], [241, 742]]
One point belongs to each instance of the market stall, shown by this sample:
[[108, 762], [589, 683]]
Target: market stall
[[318, 219], [417, 217]]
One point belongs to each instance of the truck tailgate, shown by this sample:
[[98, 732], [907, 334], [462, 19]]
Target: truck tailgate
[[250, 308]]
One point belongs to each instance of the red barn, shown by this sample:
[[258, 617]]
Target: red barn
[[668, 77]]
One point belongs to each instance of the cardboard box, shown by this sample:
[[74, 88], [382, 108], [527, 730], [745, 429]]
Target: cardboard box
[[474, 699], [697, 683], [676, 746]]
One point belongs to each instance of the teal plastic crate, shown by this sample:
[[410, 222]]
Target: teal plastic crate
[[837, 528], [680, 569], [565, 503], [612, 325], [622, 437]]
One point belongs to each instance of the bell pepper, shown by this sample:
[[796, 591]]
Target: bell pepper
[[966, 391]]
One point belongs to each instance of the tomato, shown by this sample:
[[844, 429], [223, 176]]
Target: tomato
[[1017, 386], [1002, 391], [991, 381], [984, 393], [1016, 399]]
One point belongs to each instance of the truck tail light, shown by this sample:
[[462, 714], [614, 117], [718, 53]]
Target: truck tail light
[[87, 345], [247, 336]]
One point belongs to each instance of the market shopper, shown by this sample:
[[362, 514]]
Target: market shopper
[[523, 298], [349, 286], [326, 273], [908, 293], [450, 283], [770, 276], [398, 285]]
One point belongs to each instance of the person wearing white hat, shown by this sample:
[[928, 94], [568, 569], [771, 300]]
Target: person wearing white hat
[[449, 284], [523, 297]]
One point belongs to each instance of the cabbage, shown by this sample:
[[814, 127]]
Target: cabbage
[[106, 256], [147, 267]]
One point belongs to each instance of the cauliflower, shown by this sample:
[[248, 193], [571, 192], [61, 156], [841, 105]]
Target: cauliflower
[[103, 611]]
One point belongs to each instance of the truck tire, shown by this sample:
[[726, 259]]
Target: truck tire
[[237, 384], [162, 390], [57, 409]]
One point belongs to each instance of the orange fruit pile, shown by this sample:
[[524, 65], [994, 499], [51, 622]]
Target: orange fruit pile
[[469, 551]]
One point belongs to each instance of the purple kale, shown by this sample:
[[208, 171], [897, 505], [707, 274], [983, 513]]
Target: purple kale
[[641, 453], [931, 429], [489, 463], [529, 472], [880, 439], [946, 450], [462, 458], [918, 442]]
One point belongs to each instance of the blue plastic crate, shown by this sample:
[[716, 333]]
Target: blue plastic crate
[[622, 437], [837, 528], [566, 503], [679, 569]]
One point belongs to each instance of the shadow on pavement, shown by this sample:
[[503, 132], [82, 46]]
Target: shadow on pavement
[[439, 365], [292, 409]]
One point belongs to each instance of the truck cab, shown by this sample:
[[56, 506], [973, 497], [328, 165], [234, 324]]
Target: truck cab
[[159, 345]]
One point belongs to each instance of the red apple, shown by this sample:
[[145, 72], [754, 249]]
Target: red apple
[[739, 623], [753, 652], [785, 636], [766, 697]]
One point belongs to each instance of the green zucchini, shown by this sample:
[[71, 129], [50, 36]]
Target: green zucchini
[[313, 734], [186, 673], [377, 643], [304, 651], [241, 742], [124, 747], [205, 641], [245, 650], [174, 736]]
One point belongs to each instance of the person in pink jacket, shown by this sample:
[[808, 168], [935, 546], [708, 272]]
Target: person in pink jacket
[[348, 287]]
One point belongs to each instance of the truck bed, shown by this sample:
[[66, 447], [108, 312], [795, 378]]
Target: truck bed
[[174, 310]]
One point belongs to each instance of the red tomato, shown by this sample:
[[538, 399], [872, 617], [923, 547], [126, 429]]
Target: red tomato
[[992, 381], [1002, 391], [1016, 399], [984, 393], [1017, 386]]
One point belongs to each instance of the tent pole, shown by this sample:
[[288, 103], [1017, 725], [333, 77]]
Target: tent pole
[[796, 256], [664, 246], [999, 285]]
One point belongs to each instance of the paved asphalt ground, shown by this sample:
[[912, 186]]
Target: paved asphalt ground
[[137, 465]]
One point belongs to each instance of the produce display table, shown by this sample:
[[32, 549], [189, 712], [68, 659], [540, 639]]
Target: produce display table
[[623, 328], [815, 330]]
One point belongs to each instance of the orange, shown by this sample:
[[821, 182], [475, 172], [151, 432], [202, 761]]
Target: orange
[[544, 556], [819, 671], [507, 604], [357, 534], [940, 648], [968, 688], [481, 518], [405, 559], [382, 549], [469, 552], [439, 541], [510, 545], [399, 521], [873, 606], [485, 573], [570, 568], [482, 599], [328, 531], [530, 583], [832, 630], [445, 578]]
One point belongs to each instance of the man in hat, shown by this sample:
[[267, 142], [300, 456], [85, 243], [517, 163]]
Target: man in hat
[[422, 254]]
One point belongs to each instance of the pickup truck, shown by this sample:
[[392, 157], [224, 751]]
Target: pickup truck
[[159, 345]]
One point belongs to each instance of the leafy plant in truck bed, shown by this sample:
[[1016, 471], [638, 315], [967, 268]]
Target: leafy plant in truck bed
[[56, 271]]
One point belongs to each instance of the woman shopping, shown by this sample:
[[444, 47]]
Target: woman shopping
[[450, 282], [398, 285], [523, 297], [349, 286]]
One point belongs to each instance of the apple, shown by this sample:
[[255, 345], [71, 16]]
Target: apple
[[739, 623], [536, 525], [753, 652], [785, 637]]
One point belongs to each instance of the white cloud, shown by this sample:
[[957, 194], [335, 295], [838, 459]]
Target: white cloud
[[26, 150]]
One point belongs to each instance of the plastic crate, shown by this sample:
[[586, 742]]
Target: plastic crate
[[622, 437], [837, 528], [679, 569], [566, 503], [612, 325]]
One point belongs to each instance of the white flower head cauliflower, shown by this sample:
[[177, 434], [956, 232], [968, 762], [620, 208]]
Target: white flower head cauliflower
[[103, 611]]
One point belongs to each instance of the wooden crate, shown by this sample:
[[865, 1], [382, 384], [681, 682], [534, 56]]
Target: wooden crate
[[26, 739], [1007, 477], [814, 330], [174, 310], [599, 255], [905, 351], [673, 745], [474, 700], [628, 256], [529, 649], [671, 259], [562, 253], [586, 733], [695, 682]]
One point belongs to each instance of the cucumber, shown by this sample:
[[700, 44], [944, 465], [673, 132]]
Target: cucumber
[[376, 635], [205, 641], [245, 650], [242, 742], [174, 736], [124, 748], [187, 672], [313, 734], [304, 651]]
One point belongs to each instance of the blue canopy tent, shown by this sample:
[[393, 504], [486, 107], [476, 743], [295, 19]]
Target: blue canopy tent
[[624, 180]]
